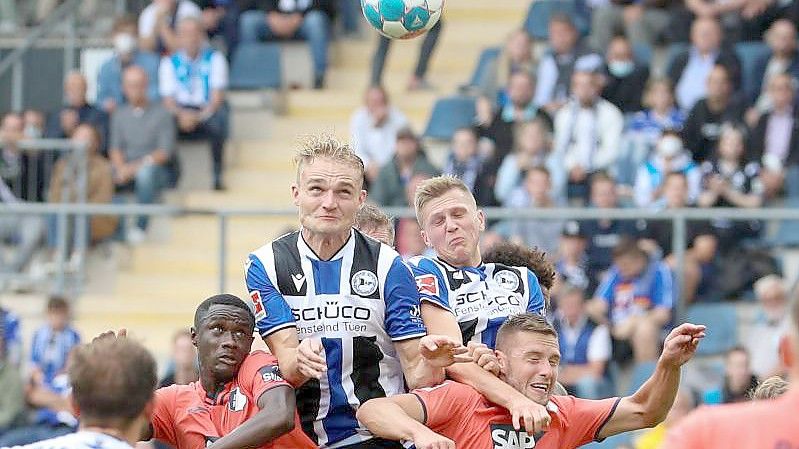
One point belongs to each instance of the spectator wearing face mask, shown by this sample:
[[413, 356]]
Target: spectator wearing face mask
[[625, 80], [670, 156], [126, 53]]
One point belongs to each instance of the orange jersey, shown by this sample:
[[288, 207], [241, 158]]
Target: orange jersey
[[768, 424], [460, 413], [186, 418]]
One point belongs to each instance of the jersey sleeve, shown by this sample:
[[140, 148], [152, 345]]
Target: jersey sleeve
[[260, 373], [430, 282], [585, 418], [161, 420], [272, 312], [403, 315], [662, 289], [535, 301], [447, 405], [605, 289]]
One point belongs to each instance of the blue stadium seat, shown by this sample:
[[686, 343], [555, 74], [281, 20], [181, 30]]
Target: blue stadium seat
[[256, 66], [537, 22], [448, 115], [787, 234], [749, 53], [487, 58], [722, 327]]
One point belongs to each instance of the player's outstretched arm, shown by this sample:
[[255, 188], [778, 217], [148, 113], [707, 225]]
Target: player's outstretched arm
[[400, 418], [298, 361], [648, 406], [266, 425], [524, 411], [424, 359]]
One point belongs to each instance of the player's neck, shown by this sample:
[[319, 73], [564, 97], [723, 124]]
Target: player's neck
[[325, 246]]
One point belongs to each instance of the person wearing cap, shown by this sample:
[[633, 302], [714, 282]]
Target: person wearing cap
[[572, 258], [409, 160], [670, 156]]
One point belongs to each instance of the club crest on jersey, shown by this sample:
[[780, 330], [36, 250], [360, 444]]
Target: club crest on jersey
[[238, 401], [258, 305], [504, 436], [364, 283], [507, 280], [427, 284]]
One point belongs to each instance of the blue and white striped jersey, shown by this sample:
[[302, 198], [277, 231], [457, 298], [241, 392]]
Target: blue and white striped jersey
[[80, 440], [359, 302], [481, 298]]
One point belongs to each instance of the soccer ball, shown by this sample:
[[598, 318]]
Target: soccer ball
[[402, 19]]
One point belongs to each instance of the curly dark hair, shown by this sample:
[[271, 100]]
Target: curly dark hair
[[514, 255]]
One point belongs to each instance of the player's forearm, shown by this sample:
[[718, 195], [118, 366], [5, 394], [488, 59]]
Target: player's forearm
[[289, 370], [257, 431], [656, 395], [424, 375], [388, 420], [490, 386]]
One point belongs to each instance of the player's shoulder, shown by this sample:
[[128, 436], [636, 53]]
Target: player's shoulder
[[259, 358], [450, 388], [425, 263], [366, 243]]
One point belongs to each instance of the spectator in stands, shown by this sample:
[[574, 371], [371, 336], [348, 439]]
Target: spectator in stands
[[585, 347], [572, 262], [310, 20], [142, 141], [739, 380], [587, 135], [501, 126], [375, 223], [126, 53], [516, 56], [532, 149], [535, 192], [783, 58], [773, 387], [703, 126], [76, 110], [636, 300], [670, 156], [464, 160], [654, 438], [605, 234], [409, 240], [158, 24], [691, 69], [374, 129], [729, 180], [34, 124], [771, 323], [63, 187], [12, 342], [641, 22], [183, 367], [221, 18], [625, 79], [565, 56], [418, 80], [48, 384], [192, 83], [12, 401], [774, 141], [409, 160]]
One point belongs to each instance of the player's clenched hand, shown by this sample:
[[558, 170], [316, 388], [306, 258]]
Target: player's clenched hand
[[681, 344], [531, 415], [310, 362], [442, 351], [484, 357], [122, 333], [427, 439]]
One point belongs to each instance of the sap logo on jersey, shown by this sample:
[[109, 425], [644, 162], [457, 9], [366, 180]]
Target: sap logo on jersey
[[507, 280], [364, 283], [505, 437]]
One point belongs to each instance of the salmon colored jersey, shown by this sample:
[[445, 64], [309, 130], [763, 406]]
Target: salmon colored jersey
[[767, 424], [460, 413], [186, 418]]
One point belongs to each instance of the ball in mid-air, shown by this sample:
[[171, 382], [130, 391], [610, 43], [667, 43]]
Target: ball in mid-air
[[402, 19]]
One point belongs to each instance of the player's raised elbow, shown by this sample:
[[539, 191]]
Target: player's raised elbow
[[286, 425]]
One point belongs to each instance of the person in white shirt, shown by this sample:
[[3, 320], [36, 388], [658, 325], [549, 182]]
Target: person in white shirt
[[112, 380], [158, 23], [192, 82], [374, 129], [587, 134]]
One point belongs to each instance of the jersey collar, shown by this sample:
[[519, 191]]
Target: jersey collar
[[306, 251]]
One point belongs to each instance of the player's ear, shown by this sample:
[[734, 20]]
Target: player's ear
[[481, 218], [425, 239], [295, 194], [502, 359], [362, 197], [193, 336]]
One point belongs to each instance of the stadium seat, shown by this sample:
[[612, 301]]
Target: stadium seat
[[722, 327], [484, 63], [448, 115], [750, 53], [787, 234], [256, 66], [537, 22]]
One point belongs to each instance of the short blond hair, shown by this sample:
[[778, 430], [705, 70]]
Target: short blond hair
[[774, 386], [434, 188], [370, 217], [327, 146]]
